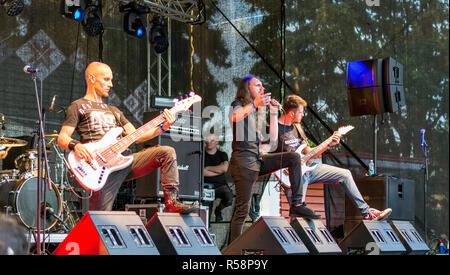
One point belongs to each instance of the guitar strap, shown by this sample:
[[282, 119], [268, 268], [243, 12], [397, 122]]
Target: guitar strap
[[299, 128], [114, 113]]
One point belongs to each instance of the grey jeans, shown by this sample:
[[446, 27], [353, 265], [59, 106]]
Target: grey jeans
[[324, 173], [144, 162]]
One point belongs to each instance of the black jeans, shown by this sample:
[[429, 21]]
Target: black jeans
[[244, 179]]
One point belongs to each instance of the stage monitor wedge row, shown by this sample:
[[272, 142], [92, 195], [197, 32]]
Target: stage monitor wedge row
[[177, 234], [267, 236], [372, 238], [315, 236], [413, 242], [108, 233]]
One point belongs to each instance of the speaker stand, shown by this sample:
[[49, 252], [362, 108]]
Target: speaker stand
[[375, 141]]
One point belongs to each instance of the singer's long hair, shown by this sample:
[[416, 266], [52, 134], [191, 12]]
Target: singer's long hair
[[243, 91]]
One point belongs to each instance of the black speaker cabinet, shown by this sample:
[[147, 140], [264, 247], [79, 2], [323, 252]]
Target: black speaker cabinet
[[315, 236], [394, 96], [384, 192], [366, 101], [190, 160], [364, 87], [108, 233], [372, 238], [177, 234], [410, 238], [267, 236]]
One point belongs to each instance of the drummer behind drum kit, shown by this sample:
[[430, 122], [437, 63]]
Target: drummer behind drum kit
[[18, 189]]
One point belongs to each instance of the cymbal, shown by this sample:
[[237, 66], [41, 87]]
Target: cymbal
[[35, 151], [12, 142], [52, 136]]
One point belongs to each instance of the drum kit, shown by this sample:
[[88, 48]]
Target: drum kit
[[18, 189]]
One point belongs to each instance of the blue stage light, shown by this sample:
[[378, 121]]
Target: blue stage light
[[78, 15]]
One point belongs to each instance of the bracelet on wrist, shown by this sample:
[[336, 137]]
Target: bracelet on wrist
[[162, 127], [72, 144]]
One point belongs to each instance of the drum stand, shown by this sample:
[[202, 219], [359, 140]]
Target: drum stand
[[41, 149], [62, 187]]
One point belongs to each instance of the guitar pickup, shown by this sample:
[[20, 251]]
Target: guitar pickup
[[81, 171]]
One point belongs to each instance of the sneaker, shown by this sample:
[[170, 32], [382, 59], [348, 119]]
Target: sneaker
[[303, 211], [377, 215]]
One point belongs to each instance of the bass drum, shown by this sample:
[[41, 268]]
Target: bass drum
[[20, 198]]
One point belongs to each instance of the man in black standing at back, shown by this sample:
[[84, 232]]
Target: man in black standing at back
[[216, 165]]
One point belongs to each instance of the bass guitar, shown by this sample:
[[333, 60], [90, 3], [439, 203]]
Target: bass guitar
[[106, 152]]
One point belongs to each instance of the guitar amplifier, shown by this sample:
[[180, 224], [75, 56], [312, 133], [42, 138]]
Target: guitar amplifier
[[186, 125]]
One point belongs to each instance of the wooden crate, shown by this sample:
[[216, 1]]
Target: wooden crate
[[314, 199]]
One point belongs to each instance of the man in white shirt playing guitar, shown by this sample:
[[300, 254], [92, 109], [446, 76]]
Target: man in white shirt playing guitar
[[291, 137], [93, 120]]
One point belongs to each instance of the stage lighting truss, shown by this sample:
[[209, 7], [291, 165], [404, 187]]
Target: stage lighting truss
[[12, 7], [186, 11]]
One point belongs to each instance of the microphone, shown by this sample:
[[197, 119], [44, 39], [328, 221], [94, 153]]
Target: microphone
[[422, 138], [29, 70], [50, 109], [3, 121]]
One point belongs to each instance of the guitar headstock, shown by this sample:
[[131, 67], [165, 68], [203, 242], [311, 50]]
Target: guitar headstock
[[345, 129], [184, 104]]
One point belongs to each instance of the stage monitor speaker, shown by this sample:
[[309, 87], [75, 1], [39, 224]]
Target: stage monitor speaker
[[410, 238], [177, 234], [315, 236], [190, 170], [372, 238], [384, 192], [267, 236], [108, 233]]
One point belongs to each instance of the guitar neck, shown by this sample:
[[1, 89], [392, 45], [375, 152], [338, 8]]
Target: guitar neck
[[122, 144], [317, 149]]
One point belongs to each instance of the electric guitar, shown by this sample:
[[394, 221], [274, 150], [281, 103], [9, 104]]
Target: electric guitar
[[106, 152], [283, 174]]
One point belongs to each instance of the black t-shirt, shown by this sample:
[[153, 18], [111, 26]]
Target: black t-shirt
[[213, 160], [91, 119], [289, 139], [247, 135]]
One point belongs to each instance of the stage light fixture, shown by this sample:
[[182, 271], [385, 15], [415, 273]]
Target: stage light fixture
[[12, 7], [73, 9], [92, 22], [158, 35], [133, 22]]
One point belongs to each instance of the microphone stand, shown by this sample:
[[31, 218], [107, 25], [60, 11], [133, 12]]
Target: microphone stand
[[41, 147], [425, 183]]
